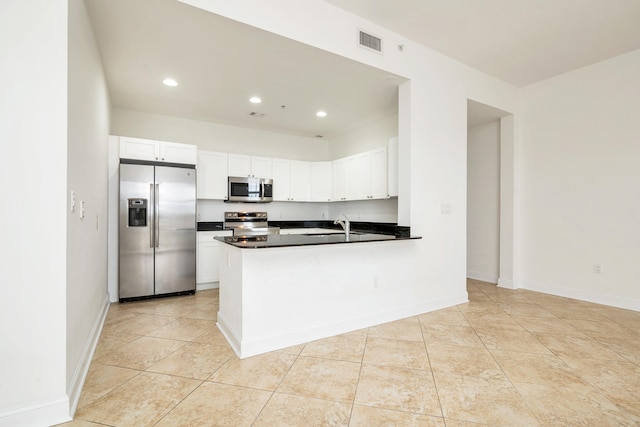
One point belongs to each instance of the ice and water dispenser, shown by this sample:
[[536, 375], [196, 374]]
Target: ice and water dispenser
[[137, 212]]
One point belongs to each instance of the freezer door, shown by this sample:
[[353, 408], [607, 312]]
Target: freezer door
[[136, 231], [175, 266]]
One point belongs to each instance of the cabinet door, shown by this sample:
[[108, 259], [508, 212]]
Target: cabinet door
[[358, 179], [239, 165], [172, 152], [321, 181], [139, 149], [212, 175], [300, 175], [208, 256], [262, 167], [378, 174], [392, 167], [281, 180], [339, 179]]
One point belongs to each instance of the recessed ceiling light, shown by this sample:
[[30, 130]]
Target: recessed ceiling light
[[321, 114], [255, 100], [170, 82]]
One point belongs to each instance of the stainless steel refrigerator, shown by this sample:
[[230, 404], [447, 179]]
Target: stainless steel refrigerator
[[157, 235]]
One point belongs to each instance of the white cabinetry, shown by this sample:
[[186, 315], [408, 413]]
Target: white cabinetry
[[212, 175], [339, 179], [281, 180], [321, 181], [157, 151], [361, 176], [300, 181], [261, 167], [245, 165], [358, 171], [378, 174], [208, 258], [291, 180], [239, 165]]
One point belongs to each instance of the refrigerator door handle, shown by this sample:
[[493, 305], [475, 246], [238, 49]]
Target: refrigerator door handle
[[150, 215], [157, 212]]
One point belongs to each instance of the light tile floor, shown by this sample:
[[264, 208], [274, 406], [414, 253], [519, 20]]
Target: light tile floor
[[506, 358]]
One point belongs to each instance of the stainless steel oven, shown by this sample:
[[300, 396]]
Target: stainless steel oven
[[250, 189], [249, 224]]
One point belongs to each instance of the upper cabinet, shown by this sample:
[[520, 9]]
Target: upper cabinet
[[212, 175], [321, 181], [239, 164], [300, 181], [291, 180], [157, 151], [281, 180], [364, 176], [262, 167], [245, 165], [361, 176], [378, 174]]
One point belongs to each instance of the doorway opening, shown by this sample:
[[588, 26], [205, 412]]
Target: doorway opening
[[489, 194]]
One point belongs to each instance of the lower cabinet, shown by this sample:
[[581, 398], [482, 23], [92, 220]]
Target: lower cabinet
[[208, 259]]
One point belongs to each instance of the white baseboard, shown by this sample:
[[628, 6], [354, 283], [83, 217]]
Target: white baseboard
[[42, 414], [80, 373], [479, 275], [252, 346], [207, 285], [583, 295], [506, 283]]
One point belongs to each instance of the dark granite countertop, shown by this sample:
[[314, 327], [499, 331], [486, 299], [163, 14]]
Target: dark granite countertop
[[358, 226], [288, 240]]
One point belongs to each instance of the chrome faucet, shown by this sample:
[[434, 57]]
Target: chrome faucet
[[346, 225]]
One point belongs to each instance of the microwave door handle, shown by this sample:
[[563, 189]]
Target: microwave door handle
[[261, 188]]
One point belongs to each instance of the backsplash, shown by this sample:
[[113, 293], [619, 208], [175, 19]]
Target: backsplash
[[361, 210]]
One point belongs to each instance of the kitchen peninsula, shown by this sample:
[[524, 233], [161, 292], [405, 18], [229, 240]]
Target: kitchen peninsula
[[281, 290]]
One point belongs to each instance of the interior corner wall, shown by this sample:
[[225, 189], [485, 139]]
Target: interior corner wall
[[483, 202], [33, 184], [578, 186], [88, 132]]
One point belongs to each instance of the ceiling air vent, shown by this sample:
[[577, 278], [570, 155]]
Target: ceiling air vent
[[369, 41]]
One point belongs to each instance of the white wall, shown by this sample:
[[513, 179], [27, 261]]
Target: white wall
[[483, 202], [216, 137], [33, 184], [432, 135], [578, 192], [88, 130], [369, 137]]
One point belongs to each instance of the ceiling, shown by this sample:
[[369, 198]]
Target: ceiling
[[517, 41], [220, 63]]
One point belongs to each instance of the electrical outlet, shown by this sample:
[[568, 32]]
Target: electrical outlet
[[597, 268], [81, 209], [445, 209], [73, 201]]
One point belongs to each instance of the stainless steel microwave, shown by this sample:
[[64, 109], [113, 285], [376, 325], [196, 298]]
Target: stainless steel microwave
[[250, 189]]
